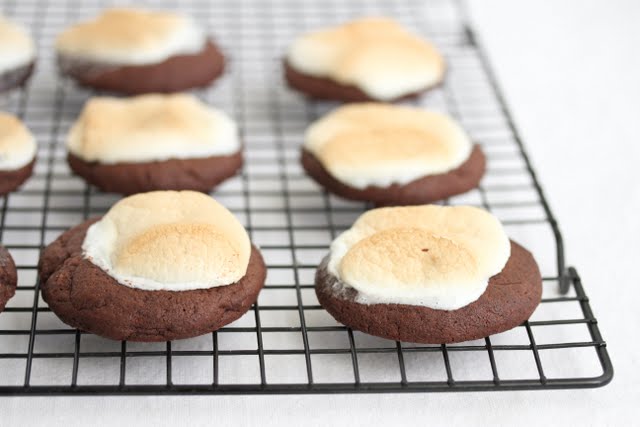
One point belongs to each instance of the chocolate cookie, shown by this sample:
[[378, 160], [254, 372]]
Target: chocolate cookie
[[136, 51], [175, 74], [510, 298], [87, 298], [8, 277], [390, 154], [423, 190], [153, 142], [11, 180], [176, 174], [368, 59]]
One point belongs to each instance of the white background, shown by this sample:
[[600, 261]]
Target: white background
[[571, 74]]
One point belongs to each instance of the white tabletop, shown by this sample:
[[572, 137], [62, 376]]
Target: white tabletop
[[570, 73]]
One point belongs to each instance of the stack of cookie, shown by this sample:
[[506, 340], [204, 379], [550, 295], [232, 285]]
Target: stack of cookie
[[169, 262]]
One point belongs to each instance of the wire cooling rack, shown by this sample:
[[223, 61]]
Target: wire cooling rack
[[287, 343]]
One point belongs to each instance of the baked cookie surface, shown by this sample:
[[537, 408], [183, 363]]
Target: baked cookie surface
[[17, 153], [177, 278], [135, 51], [428, 274], [369, 59], [17, 55], [391, 155], [8, 277], [153, 142]]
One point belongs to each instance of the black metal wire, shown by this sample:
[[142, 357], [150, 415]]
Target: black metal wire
[[275, 198]]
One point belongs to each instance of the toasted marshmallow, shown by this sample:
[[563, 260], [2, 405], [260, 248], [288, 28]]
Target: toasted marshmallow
[[376, 55], [16, 46], [17, 145], [123, 36], [433, 256], [169, 240], [151, 128], [369, 144]]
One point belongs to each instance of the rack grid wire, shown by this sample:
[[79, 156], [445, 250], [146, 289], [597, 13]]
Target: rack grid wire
[[286, 343]]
